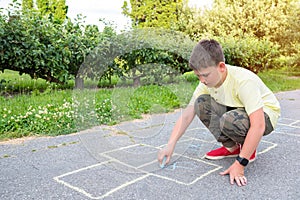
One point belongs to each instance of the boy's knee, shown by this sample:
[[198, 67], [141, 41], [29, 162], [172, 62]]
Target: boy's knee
[[203, 99], [235, 121], [201, 103], [227, 120]]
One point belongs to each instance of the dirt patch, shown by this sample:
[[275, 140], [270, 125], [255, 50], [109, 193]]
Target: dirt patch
[[294, 77], [17, 141]]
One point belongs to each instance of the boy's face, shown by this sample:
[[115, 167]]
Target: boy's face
[[212, 76]]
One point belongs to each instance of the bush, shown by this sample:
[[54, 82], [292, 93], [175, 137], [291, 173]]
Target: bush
[[249, 52], [190, 77], [12, 83], [34, 44]]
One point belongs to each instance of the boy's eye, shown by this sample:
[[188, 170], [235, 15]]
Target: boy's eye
[[204, 75]]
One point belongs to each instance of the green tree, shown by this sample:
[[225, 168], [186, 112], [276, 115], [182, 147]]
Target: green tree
[[27, 4], [275, 20], [33, 44], [154, 13], [140, 53], [54, 8]]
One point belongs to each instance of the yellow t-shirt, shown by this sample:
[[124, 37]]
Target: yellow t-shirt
[[242, 88]]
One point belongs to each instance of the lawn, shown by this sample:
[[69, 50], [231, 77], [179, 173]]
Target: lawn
[[35, 107]]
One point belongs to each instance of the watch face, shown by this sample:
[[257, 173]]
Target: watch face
[[242, 161]]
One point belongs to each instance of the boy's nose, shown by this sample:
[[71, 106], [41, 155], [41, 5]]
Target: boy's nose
[[202, 80]]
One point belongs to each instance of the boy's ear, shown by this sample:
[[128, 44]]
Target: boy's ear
[[222, 66]]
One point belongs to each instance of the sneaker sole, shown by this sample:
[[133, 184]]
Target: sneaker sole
[[251, 160], [230, 156], [219, 157]]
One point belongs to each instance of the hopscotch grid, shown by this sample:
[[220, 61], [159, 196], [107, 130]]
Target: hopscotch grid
[[74, 188], [268, 148], [289, 125], [82, 191], [146, 174], [190, 183], [295, 121], [122, 148], [138, 170], [288, 118], [82, 169], [290, 134], [180, 141], [197, 128], [123, 186], [201, 140], [186, 139]]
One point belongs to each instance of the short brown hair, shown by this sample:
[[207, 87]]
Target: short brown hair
[[206, 53]]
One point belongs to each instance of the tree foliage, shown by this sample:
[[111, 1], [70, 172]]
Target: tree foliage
[[146, 52], [271, 24], [35, 45], [249, 52], [154, 13], [27, 4], [52, 8], [275, 20], [252, 35]]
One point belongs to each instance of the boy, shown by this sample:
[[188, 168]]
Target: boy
[[233, 103]]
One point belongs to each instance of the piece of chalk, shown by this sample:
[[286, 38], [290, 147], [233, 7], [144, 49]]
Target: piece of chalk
[[162, 165]]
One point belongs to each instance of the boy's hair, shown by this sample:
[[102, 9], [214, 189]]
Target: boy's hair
[[206, 53]]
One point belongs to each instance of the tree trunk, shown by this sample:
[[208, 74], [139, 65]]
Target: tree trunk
[[136, 81], [79, 84]]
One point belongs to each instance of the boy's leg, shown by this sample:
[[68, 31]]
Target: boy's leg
[[210, 113], [235, 125]]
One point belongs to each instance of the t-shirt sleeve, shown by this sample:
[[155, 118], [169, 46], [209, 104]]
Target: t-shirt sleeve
[[200, 89], [250, 96]]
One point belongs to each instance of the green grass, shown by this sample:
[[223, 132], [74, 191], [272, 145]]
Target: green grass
[[35, 107], [66, 111], [11, 82], [281, 80]]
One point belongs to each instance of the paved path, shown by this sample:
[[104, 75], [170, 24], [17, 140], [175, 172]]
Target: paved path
[[119, 162]]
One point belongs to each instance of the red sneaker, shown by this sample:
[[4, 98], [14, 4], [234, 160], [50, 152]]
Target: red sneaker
[[253, 157], [221, 152]]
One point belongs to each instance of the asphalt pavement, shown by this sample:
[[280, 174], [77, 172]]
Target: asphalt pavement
[[119, 162]]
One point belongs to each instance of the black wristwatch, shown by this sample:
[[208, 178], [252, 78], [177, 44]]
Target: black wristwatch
[[242, 161]]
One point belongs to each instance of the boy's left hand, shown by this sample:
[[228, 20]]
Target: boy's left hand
[[236, 173]]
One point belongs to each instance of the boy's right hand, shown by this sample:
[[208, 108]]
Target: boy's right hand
[[165, 152]]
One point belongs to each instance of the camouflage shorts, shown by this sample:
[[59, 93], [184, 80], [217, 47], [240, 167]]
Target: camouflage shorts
[[228, 125]]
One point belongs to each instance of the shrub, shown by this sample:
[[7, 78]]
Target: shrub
[[12, 83], [34, 44], [249, 52], [190, 77]]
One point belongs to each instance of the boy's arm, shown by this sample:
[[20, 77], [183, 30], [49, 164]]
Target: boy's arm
[[181, 125], [254, 135]]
